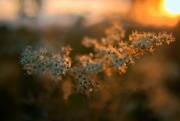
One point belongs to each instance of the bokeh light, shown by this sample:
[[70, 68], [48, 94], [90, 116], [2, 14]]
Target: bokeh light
[[172, 7]]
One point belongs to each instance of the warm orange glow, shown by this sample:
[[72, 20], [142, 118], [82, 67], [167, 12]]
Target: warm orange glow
[[153, 12], [171, 7], [8, 9], [55, 7]]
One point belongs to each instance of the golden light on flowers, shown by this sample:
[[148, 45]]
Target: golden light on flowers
[[172, 7]]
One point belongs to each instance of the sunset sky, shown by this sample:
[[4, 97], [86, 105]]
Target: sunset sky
[[148, 12]]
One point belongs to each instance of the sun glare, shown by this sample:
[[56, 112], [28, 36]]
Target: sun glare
[[172, 7]]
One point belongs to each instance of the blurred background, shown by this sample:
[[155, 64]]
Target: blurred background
[[149, 91]]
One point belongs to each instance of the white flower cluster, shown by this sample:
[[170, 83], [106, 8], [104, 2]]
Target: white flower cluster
[[109, 53], [83, 72], [146, 42], [39, 61], [121, 53], [83, 82]]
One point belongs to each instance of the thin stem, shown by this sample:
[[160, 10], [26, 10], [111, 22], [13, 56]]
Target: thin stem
[[86, 107]]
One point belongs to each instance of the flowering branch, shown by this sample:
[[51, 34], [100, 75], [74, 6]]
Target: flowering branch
[[110, 52]]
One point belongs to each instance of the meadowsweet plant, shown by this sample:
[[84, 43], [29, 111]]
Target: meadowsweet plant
[[110, 53]]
